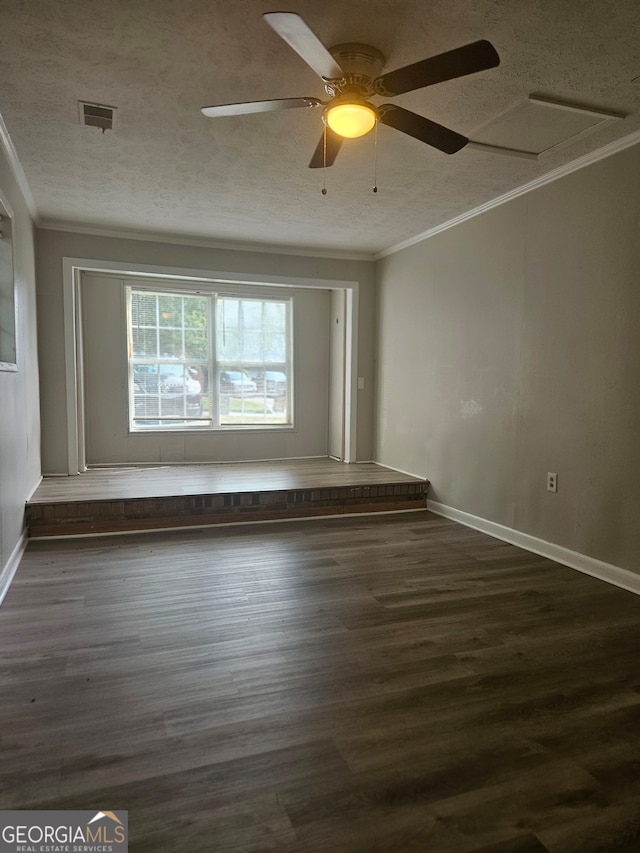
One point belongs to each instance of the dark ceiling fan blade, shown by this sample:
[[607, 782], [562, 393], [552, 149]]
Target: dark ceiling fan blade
[[422, 128], [305, 42], [334, 142], [477, 56], [259, 106]]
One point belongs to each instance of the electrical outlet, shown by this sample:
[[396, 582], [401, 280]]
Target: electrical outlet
[[552, 482]]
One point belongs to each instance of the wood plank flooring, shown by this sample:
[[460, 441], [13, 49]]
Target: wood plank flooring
[[214, 478], [361, 685]]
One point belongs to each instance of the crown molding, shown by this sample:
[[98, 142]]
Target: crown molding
[[587, 160], [205, 243], [18, 172]]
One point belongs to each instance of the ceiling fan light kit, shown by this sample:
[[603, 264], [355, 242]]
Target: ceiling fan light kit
[[350, 119], [351, 76]]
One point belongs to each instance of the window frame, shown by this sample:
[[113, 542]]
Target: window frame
[[213, 423]]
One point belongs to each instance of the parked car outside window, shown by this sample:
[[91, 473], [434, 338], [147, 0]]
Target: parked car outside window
[[170, 391], [236, 382]]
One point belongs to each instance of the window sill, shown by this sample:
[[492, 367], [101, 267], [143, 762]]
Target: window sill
[[203, 430]]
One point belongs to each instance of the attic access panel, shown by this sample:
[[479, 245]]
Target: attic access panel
[[539, 126]]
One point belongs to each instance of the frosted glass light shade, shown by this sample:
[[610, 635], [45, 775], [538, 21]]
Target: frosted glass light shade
[[350, 120]]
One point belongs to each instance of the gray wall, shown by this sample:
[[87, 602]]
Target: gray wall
[[19, 409], [53, 246], [509, 346]]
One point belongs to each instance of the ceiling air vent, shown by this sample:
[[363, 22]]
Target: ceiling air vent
[[96, 115]]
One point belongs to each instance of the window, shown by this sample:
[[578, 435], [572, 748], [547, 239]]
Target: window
[[208, 360]]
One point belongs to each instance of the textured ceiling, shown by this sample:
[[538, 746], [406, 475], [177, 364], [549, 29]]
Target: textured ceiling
[[164, 168]]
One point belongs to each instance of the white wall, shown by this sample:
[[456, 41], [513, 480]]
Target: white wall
[[509, 346], [19, 408], [53, 246]]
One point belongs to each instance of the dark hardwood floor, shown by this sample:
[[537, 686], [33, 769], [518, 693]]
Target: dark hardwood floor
[[388, 683]]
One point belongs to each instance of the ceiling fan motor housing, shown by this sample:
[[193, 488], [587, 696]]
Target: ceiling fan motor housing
[[361, 64]]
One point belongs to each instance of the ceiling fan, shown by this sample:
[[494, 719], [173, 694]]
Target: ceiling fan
[[351, 74]]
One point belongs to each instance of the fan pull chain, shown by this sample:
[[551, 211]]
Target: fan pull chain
[[375, 158], [324, 161]]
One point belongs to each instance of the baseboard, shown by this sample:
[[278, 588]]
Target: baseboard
[[101, 466], [8, 571], [573, 559]]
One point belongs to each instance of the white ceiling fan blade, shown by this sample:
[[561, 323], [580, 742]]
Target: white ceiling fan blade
[[305, 42], [258, 107]]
